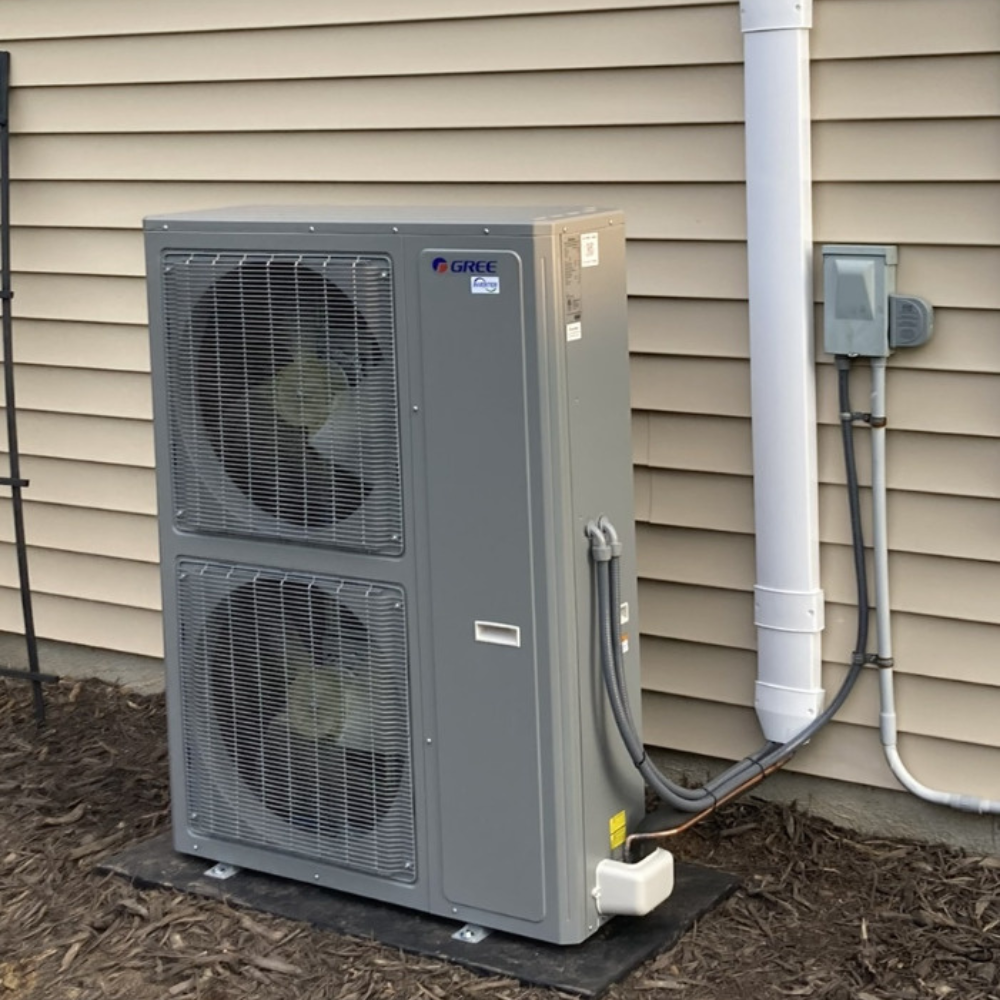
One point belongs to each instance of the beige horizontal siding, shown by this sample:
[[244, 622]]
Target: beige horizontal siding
[[937, 87], [81, 18], [577, 97], [84, 391], [936, 213], [616, 154], [849, 29], [86, 623], [86, 438], [80, 298], [922, 523], [121, 111], [111, 347], [962, 86], [845, 752], [908, 151], [654, 211], [686, 35], [713, 616], [962, 214], [91, 485], [708, 673], [964, 339], [85, 576], [932, 462], [921, 584], [843, 28], [85, 530], [962, 403], [905, 151]]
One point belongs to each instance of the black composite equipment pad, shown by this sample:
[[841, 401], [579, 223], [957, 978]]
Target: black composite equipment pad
[[585, 969]]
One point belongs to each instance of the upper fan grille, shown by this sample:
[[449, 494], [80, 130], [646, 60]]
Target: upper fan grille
[[296, 715], [281, 373]]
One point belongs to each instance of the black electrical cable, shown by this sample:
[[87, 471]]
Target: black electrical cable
[[853, 501], [747, 772], [15, 481]]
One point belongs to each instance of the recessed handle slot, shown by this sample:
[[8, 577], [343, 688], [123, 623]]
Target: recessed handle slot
[[498, 634]]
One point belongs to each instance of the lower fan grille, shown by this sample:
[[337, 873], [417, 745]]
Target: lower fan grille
[[296, 719]]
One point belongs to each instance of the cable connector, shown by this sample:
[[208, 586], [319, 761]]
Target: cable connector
[[611, 535], [599, 547]]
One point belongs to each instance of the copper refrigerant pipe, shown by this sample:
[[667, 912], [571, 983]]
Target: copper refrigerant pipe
[[657, 835]]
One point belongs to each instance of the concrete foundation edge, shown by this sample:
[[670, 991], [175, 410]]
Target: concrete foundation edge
[[142, 674]]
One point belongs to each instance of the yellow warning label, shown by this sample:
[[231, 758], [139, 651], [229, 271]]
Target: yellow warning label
[[616, 827]]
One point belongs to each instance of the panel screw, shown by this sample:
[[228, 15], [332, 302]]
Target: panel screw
[[395, 229], [165, 226], [486, 229], [312, 229], [416, 409], [429, 740]]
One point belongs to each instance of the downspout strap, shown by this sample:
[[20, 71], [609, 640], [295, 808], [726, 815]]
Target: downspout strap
[[775, 15]]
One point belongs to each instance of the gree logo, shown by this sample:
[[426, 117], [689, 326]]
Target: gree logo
[[442, 265]]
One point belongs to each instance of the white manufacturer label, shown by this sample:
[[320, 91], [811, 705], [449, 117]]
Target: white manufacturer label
[[574, 331], [590, 250], [485, 284]]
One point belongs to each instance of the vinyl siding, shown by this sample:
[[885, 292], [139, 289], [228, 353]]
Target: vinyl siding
[[123, 110]]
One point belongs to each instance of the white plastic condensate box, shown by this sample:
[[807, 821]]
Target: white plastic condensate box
[[633, 890]]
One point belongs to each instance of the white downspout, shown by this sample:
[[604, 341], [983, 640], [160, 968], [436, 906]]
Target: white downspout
[[788, 601]]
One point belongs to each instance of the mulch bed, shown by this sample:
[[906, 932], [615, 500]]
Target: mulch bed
[[822, 913]]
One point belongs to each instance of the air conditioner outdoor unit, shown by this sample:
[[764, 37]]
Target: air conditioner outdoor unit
[[379, 438]]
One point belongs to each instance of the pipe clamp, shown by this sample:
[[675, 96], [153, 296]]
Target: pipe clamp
[[788, 610]]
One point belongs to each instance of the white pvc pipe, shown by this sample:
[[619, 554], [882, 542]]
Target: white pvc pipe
[[788, 599], [886, 676]]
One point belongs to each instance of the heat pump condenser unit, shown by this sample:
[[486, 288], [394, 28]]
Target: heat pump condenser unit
[[379, 438]]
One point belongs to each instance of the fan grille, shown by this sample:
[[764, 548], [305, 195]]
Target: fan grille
[[295, 715], [281, 373]]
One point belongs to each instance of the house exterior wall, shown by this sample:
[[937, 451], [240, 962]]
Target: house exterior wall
[[122, 110]]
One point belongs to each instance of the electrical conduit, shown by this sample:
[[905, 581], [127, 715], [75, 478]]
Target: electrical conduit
[[884, 660]]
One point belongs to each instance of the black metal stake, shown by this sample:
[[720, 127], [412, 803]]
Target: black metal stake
[[14, 480]]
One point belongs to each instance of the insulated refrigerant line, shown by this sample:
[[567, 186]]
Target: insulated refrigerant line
[[15, 480], [605, 552]]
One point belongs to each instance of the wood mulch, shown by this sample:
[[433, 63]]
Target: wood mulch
[[823, 912]]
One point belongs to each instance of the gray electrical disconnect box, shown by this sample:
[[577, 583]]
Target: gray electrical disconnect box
[[857, 283]]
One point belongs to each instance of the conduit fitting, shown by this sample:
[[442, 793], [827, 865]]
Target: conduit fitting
[[610, 534], [599, 547]]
